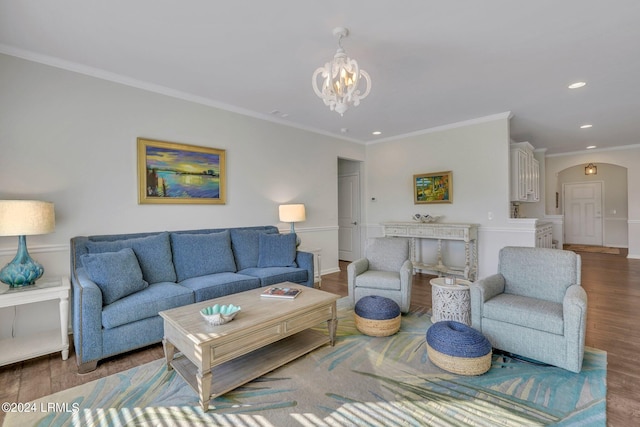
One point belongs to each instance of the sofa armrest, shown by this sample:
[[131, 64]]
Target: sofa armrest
[[305, 260], [87, 317], [482, 291]]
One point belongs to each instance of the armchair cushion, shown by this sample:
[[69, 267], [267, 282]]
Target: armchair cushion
[[277, 250], [528, 312], [379, 280], [202, 254], [538, 274], [117, 274], [387, 254]]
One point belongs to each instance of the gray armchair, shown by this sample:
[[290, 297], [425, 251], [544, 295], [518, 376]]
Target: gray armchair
[[534, 307], [385, 271]]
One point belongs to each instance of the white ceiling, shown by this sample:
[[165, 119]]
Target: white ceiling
[[432, 63]]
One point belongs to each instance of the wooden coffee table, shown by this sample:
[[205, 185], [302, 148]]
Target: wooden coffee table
[[266, 334]]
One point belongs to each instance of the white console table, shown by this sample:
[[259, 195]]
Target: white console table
[[467, 233], [15, 349]]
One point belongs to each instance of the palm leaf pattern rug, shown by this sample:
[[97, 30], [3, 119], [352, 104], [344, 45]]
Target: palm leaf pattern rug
[[361, 381]]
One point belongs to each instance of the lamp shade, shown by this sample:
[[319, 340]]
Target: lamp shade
[[26, 217], [292, 213]]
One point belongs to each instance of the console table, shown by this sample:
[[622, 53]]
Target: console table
[[467, 233]]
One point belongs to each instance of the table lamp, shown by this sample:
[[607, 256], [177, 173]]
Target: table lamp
[[22, 218], [292, 213]]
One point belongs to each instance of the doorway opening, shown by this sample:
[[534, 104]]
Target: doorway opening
[[349, 210]]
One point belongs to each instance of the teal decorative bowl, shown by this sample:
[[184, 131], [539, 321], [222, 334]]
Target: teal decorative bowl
[[219, 314]]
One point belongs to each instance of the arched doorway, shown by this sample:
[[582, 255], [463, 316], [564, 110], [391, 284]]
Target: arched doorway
[[595, 207]]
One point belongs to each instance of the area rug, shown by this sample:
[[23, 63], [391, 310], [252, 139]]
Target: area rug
[[361, 381], [593, 249]]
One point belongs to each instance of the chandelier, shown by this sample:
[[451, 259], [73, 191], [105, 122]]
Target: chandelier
[[340, 78]]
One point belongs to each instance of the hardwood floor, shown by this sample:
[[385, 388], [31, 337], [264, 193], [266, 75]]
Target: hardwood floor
[[612, 283]]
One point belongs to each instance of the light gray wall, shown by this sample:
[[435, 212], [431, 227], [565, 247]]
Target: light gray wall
[[71, 139], [477, 153]]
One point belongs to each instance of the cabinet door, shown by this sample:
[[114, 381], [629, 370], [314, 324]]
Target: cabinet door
[[518, 178], [534, 195]]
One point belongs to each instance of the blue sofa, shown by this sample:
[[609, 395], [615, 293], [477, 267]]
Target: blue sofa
[[121, 282]]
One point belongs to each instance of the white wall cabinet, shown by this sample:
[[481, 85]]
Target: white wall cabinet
[[525, 173]]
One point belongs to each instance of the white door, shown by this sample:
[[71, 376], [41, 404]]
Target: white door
[[583, 213], [349, 217]]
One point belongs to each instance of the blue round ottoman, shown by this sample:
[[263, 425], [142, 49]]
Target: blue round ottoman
[[377, 316], [458, 348]]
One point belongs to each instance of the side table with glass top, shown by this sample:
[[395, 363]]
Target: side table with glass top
[[450, 301], [19, 348]]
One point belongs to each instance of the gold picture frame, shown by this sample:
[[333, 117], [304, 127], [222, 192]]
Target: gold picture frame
[[436, 187], [170, 172]]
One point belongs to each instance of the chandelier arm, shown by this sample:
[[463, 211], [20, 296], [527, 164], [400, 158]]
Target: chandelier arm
[[368, 80], [314, 81]]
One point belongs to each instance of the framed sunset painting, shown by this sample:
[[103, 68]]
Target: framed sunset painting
[[170, 172], [434, 187]]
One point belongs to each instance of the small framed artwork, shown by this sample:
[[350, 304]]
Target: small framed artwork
[[434, 187], [170, 172]]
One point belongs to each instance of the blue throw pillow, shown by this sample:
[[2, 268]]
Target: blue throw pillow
[[246, 247], [117, 274], [153, 253], [277, 250], [201, 254]]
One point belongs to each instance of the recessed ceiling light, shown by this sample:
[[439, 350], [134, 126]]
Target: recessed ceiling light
[[577, 85], [590, 147], [586, 126], [376, 132]]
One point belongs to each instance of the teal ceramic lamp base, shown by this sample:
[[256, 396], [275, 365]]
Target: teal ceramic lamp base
[[23, 270], [293, 231]]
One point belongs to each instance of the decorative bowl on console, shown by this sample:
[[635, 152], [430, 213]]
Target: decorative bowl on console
[[219, 314], [426, 218]]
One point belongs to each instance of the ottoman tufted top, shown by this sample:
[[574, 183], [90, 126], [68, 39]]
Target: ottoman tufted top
[[457, 339], [377, 308]]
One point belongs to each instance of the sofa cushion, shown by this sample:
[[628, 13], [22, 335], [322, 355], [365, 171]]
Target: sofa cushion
[[117, 274], [529, 312], [201, 254], [277, 250], [271, 275], [219, 285], [246, 247], [146, 303], [153, 253]]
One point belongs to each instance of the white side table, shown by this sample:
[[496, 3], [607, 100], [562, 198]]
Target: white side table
[[450, 302], [16, 349]]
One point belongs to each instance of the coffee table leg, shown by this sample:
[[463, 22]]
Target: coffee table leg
[[332, 324], [168, 352], [204, 389]]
